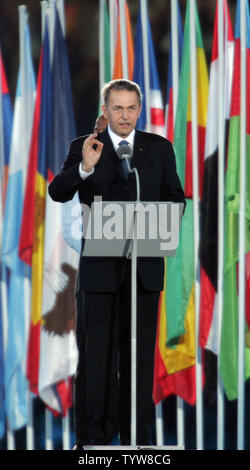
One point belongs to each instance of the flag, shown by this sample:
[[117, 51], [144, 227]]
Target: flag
[[6, 128], [169, 109], [105, 40], [19, 275], [174, 370], [6, 117], [165, 382], [5, 138], [228, 361], [118, 71], [58, 352], [104, 49], [155, 98], [71, 210], [180, 283], [31, 244], [174, 365], [209, 208]]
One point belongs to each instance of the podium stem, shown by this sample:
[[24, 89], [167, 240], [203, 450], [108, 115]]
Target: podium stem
[[133, 331]]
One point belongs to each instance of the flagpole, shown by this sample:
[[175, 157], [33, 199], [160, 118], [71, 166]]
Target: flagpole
[[23, 17], [112, 33], [159, 424], [195, 166], [175, 81], [175, 53], [221, 191], [101, 45], [241, 321], [144, 23], [65, 419], [48, 430], [3, 278], [123, 29], [9, 433], [48, 9], [59, 6], [66, 431]]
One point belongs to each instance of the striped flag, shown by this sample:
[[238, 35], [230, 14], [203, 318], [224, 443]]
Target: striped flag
[[165, 382], [180, 299], [176, 373], [19, 275], [157, 118], [58, 353], [118, 71], [5, 139], [228, 361], [31, 245], [209, 209]]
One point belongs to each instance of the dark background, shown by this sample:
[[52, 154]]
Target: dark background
[[81, 18]]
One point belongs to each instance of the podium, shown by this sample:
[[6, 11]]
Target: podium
[[132, 229]]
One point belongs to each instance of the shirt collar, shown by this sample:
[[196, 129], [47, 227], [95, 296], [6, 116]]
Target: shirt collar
[[116, 138]]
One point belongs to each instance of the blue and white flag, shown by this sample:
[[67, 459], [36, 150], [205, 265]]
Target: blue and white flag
[[6, 117], [155, 98], [19, 275]]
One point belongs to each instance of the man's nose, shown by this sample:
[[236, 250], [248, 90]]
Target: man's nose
[[125, 114]]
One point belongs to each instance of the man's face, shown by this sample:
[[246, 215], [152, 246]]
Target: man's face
[[122, 111]]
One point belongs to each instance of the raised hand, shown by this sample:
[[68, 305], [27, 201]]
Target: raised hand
[[91, 152]]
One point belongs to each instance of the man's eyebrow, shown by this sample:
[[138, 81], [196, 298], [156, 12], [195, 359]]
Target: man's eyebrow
[[120, 106]]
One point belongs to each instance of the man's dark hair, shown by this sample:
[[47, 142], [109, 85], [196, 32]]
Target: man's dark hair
[[119, 85]]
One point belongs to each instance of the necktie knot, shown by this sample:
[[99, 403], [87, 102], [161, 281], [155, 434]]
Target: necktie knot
[[123, 142]]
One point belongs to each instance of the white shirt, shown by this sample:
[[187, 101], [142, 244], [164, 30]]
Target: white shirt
[[116, 139]]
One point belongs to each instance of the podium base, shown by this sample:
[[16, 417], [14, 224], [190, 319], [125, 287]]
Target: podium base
[[158, 448]]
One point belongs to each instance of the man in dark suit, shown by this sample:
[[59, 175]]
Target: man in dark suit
[[102, 382]]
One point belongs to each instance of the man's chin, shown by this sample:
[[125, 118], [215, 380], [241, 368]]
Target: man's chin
[[124, 131]]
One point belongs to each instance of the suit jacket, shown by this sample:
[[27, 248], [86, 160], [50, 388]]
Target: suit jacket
[[154, 158]]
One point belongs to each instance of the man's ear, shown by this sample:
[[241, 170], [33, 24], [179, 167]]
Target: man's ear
[[101, 123]]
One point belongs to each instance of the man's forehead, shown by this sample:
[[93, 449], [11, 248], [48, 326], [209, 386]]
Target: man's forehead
[[123, 96]]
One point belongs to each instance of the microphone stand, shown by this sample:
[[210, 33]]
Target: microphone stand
[[133, 309]]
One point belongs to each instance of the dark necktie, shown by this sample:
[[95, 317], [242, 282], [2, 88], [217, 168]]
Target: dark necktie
[[123, 161]]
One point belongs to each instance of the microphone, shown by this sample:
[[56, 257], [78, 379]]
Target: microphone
[[124, 151]]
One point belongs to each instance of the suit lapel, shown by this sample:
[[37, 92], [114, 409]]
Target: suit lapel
[[139, 151]]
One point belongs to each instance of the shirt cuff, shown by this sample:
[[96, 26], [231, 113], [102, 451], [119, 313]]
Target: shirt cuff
[[85, 174]]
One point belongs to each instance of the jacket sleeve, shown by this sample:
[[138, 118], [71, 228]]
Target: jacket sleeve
[[171, 189], [64, 185]]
